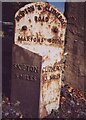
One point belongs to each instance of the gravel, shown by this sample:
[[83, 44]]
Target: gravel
[[72, 105]]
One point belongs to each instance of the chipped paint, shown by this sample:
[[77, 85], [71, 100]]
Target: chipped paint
[[40, 28]]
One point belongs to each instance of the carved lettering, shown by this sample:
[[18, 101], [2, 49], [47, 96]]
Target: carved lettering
[[51, 68], [55, 76], [51, 10], [51, 77], [40, 40], [25, 72], [25, 77], [25, 11], [41, 19], [28, 68]]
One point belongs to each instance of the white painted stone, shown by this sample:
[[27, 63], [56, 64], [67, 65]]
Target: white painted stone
[[50, 29]]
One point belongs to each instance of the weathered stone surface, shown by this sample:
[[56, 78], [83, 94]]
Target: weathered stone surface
[[25, 85], [74, 67], [7, 42], [85, 45], [40, 28]]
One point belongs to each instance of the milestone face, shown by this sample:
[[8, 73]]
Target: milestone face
[[40, 28], [39, 21]]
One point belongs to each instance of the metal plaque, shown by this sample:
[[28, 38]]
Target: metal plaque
[[40, 28], [25, 86]]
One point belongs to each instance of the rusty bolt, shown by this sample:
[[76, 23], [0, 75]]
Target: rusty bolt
[[24, 28], [30, 20], [54, 29]]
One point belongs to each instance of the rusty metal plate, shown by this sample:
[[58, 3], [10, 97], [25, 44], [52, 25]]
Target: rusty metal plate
[[40, 28], [25, 88]]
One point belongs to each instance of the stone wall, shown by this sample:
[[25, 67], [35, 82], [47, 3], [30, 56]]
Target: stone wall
[[75, 48], [7, 42]]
